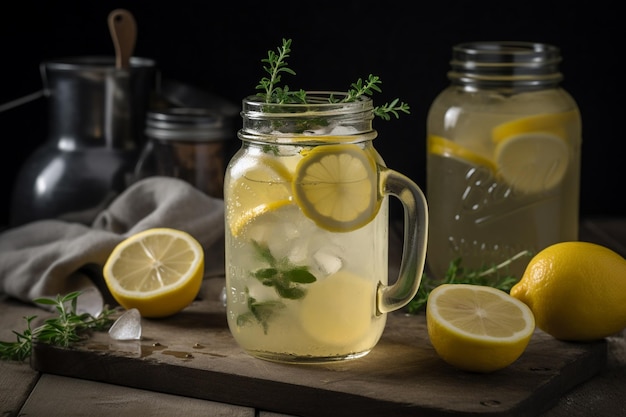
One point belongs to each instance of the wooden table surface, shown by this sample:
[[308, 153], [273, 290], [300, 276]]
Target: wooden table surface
[[26, 392]]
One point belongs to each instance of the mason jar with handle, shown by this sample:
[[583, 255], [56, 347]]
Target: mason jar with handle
[[306, 211], [503, 158]]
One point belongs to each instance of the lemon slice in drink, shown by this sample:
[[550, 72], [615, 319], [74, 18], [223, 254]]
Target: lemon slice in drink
[[441, 146], [158, 271], [532, 162], [336, 187], [553, 123], [478, 328], [338, 309], [532, 153], [261, 189]]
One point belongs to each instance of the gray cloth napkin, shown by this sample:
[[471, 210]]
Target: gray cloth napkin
[[50, 257]]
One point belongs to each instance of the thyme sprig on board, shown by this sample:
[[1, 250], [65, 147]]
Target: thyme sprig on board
[[63, 330], [493, 276]]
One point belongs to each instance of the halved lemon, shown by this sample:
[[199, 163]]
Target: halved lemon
[[532, 162], [158, 271], [478, 328], [336, 186], [260, 189], [338, 310], [441, 146]]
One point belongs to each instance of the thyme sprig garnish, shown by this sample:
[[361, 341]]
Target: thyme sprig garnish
[[277, 66], [282, 275], [493, 276], [63, 330]]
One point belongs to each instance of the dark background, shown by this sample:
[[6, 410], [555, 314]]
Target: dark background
[[217, 46]]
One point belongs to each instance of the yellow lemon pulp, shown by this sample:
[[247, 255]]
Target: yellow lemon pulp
[[532, 154], [576, 290], [438, 145], [338, 310], [336, 187], [158, 271], [477, 328], [264, 188]]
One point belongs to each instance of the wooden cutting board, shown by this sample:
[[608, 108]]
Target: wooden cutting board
[[193, 354]]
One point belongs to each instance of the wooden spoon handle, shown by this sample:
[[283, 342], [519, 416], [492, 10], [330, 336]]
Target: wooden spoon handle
[[124, 34]]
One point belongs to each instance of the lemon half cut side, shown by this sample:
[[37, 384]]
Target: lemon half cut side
[[478, 328], [336, 186], [158, 271]]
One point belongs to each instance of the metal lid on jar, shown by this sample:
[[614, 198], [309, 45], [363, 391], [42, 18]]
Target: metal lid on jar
[[185, 123]]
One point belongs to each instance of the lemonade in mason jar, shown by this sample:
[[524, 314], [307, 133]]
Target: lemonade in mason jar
[[306, 215], [503, 158]]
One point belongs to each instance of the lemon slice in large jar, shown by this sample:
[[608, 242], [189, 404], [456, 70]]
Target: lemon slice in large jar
[[441, 146], [532, 162], [532, 154], [336, 187], [553, 123]]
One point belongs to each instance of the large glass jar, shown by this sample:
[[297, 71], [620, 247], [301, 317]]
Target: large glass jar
[[306, 215], [503, 158]]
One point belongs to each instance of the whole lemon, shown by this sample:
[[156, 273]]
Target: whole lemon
[[576, 290]]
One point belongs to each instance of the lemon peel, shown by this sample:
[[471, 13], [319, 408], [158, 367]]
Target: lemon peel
[[576, 290]]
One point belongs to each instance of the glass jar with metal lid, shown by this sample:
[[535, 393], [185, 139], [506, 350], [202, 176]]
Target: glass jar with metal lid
[[186, 143], [503, 157]]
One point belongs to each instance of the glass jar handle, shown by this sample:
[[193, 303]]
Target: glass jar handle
[[396, 296]]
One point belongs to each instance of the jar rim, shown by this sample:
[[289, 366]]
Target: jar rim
[[507, 51], [319, 104], [316, 97], [510, 65]]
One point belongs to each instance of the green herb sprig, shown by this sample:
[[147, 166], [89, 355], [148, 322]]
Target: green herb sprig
[[456, 274], [277, 66], [286, 279], [65, 329]]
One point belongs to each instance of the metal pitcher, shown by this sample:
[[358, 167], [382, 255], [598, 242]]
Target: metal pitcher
[[96, 118]]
